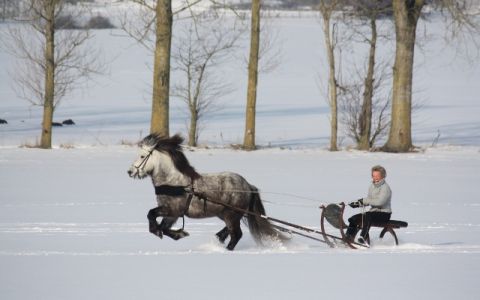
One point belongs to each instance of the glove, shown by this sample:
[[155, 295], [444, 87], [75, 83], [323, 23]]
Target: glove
[[356, 204]]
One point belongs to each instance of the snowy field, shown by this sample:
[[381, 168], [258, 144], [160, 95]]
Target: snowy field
[[73, 224]]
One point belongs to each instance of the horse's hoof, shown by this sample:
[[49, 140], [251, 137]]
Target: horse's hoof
[[157, 233], [221, 238], [178, 234], [222, 235], [231, 245]]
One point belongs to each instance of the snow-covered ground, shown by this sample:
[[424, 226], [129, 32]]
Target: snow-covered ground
[[73, 224]]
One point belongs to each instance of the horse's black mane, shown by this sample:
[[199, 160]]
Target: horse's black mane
[[172, 147]]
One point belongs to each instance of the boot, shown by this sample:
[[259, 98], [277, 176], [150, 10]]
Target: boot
[[363, 241]]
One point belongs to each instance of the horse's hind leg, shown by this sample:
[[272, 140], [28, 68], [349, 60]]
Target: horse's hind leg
[[233, 225], [222, 234]]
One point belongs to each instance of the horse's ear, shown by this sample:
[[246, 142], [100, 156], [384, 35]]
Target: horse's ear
[[167, 144], [150, 140]]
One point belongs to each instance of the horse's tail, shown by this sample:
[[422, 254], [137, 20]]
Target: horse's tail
[[258, 224]]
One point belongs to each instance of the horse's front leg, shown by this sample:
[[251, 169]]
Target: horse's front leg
[[166, 225], [153, 225]]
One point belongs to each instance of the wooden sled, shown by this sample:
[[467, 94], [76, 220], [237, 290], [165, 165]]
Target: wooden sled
[[333, 213]]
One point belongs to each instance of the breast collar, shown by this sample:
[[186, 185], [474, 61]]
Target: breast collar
[[170, 190]]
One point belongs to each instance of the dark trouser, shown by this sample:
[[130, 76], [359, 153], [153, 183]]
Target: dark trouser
[[364, 222]]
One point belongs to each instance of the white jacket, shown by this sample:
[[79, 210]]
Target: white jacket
[[379, 197]]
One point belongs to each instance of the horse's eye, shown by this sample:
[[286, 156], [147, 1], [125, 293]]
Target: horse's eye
[[143, 156]]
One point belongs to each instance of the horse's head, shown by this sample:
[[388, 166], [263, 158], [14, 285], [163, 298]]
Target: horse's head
[[162, 157], [145, 163]]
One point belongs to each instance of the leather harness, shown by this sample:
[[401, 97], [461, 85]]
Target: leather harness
[[176, 191]]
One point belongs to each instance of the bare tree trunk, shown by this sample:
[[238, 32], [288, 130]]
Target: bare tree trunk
[[332, 82], [249, 138], [48, 107], [161, 69], [192, 130], [4, 10], [365, 120], [406, 14]]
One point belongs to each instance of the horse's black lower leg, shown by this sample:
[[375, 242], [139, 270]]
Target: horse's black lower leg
[[235, 231], [222, 234], [164, 228], [175, 234], [153, 225], [235, 236]]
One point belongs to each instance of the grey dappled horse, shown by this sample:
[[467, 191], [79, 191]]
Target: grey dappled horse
[[181, 191]]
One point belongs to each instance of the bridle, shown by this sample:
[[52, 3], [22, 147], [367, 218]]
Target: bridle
[[145, 160]]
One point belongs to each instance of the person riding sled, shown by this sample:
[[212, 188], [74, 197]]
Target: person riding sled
[[379, 198]]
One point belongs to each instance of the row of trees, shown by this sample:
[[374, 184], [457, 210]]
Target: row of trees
[[406, 14], [60, 62]]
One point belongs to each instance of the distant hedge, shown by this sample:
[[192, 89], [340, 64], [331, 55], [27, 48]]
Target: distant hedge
[[66, 22], [99, 22], [69, 22]]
